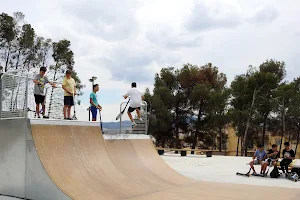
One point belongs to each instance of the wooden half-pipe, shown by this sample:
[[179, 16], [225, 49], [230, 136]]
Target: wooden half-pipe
[[53, 159]]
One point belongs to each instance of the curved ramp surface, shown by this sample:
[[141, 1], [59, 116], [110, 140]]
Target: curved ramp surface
[[52, 159]]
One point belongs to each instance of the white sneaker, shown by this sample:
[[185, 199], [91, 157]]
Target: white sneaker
[[141, 120], [133, 124]]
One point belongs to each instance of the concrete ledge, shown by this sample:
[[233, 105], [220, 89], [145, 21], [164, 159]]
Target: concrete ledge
[[126, 137]]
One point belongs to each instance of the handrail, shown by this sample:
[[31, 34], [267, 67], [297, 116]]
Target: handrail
[[146, 115], [26, 79]]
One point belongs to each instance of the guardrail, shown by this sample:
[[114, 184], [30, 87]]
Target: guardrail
[[17, 97], [144, 116]]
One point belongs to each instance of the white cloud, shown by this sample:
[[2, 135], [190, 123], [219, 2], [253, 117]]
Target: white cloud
[[129, 40], [171, 38], [265, 14], [214, 14]]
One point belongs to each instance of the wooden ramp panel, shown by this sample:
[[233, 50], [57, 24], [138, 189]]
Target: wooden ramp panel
[[127, 160], [78, 162], [149, 156]]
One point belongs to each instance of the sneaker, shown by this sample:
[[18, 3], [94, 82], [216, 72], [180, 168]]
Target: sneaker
[[133, 124], [254, 173], [45, 117], [140, 119]]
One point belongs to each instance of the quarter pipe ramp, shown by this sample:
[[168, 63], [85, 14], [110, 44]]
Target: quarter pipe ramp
[[52, 159]]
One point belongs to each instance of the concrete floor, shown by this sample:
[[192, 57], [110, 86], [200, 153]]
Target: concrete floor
[[218, 169]]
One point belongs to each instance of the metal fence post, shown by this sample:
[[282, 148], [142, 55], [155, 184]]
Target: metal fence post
[[1, 91], [121, 119], [26, 96], [146, 115]]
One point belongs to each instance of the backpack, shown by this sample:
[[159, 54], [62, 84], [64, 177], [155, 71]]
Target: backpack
[[275, 172]]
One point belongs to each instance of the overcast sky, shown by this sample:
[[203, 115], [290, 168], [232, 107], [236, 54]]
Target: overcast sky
[[120, 41]]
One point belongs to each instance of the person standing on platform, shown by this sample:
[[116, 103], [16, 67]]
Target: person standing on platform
[[40, 81], [94, 102], [69, 86]]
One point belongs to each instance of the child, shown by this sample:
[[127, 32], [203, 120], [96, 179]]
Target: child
[[69, 87], [260, 156], [136, 99], [94, 102], [40, 81], [288, 156]]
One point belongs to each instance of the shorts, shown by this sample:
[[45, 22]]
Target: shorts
[[131, 109], [94, 112], [270, 161], [257, 163], [39, 99], [68, 101]]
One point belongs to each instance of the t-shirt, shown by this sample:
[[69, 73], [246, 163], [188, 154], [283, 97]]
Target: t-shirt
[[93, 96], [39, 89], [290, 153], [70, 85], [273, 156], [135, 97], [260, 155]]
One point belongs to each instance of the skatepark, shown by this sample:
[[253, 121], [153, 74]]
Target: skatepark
[[54, 159], [60, 159]]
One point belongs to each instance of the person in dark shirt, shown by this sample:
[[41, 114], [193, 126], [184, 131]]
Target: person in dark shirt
[[273, 156], [288, 156]]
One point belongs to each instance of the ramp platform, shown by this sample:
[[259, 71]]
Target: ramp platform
[[54, 159]]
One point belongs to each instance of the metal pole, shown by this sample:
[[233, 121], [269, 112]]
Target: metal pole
[[1, 91], [89, 109], [146, 122], [26, 96], [121, 119]]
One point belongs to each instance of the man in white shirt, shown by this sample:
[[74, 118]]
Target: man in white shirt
[[136, 99]]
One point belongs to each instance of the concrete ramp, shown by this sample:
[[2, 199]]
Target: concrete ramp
[[62, 160]]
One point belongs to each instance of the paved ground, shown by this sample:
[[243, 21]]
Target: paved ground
[[217, 169], [222, 169]]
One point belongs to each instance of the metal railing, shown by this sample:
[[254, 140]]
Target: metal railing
[[144, 116], [17, 97]]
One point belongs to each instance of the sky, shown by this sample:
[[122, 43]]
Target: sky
[[124, 41]]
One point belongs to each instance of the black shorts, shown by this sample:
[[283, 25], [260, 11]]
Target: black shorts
[[39, 99], [130, 109], [68, 101]]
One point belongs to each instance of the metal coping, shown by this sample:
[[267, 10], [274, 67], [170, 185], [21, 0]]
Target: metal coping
[[63, 122], [126, 137]]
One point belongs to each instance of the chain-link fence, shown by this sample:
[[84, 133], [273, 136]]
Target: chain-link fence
[[17, 97]]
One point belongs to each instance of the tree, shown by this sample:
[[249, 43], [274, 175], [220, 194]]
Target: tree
[[291, 93], [21, 50], [167, 89], [7, 35], [270, 74], [64, 59], [219, 112], [198, 84]]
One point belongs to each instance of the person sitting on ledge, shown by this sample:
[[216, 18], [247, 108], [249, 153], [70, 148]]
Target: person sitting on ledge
[[288, 157], [258, 158], [273, 156]]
